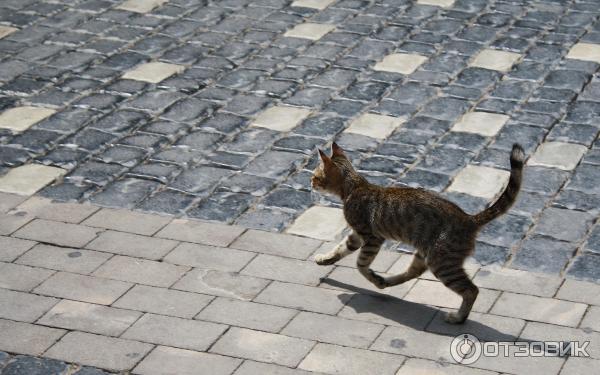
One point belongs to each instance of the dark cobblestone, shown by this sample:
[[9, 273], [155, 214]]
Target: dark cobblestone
[[586, 267], [542, 254], [34, 366]]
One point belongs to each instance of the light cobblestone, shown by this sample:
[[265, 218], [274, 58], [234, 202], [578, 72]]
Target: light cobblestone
[[19, 119]]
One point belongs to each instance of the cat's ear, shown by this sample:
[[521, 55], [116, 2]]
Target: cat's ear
[[324, 157], [336, 150]]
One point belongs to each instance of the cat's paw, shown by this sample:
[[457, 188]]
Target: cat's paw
[[325, 260], [454, 318]]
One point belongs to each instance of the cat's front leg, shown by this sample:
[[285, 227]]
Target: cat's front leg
[[368, 252], [348, 246]]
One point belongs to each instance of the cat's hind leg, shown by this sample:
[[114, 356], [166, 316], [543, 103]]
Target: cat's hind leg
[[367, 254], [417, 268], [454, 277], [352, 243]]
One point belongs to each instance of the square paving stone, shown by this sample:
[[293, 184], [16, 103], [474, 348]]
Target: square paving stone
[[28, 179], [23, 307], [140, 6], [435, 293], [585, 267], [285, 269], [91, 318], [403, 63], [247, 314], [315, 4], [132, 245], [153, 72], [209, 257], [43, 208], [495, 60], [263, 347], [413, 342], [10, 223], [163, 301], [375, 126], [501, 278], [22, 278], [63, 258], [141, 271], [333, 330], [486, 327], [83, 288], [99, 351], [483, 123], [302, 297], [331, 223], [219, 283], [480, 181], [62, 234], [19, 119], [281, 118], [26, 338], [252, 368], [276, 244], [200, 232], [415, 366], [335, 359], [309, 30], [560, 155], [565, 225], [127, 221], [170, 331], [539, 309], [13, 248], [585, 51], [166, 360]]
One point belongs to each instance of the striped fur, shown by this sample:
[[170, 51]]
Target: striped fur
[[442, 233]]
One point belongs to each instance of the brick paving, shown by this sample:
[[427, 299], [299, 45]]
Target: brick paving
[[192, 297], [141, 116]]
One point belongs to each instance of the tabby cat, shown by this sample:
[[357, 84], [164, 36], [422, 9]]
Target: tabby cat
[[441, 232]]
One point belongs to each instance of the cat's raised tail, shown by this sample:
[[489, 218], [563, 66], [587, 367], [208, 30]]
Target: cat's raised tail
[[508, 197]]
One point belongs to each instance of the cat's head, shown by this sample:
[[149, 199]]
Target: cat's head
[[328, 176]]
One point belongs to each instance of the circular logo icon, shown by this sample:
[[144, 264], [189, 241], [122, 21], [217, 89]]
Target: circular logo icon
[[465, 349]]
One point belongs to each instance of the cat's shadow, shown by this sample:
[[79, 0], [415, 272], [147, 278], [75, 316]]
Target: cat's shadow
[[414, 315]]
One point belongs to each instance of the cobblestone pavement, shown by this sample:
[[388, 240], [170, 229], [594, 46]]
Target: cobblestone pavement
[[213, 109], [89, 290]]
